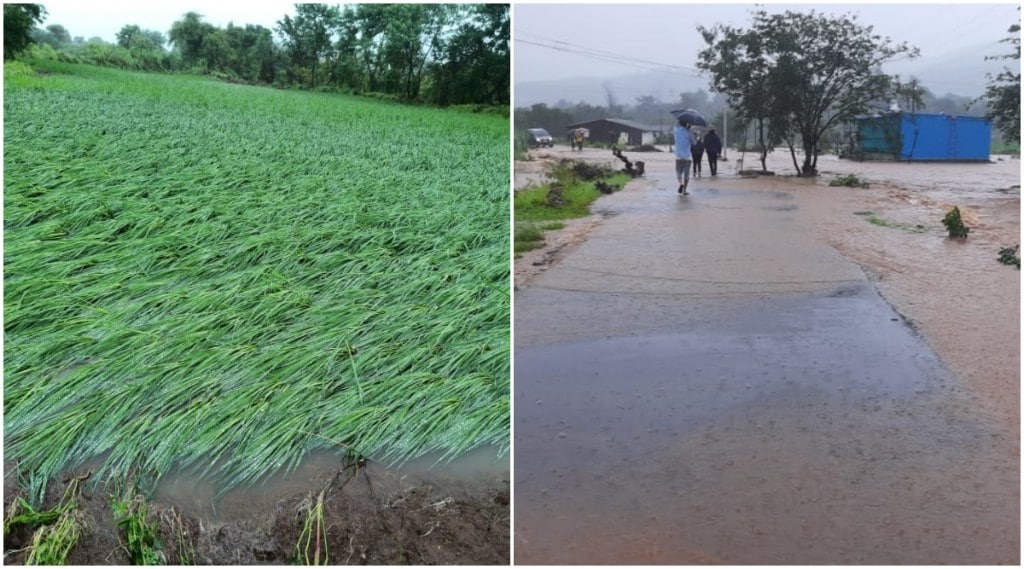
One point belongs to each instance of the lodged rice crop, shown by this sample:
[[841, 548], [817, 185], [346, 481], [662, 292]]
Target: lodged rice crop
[[225, 278]]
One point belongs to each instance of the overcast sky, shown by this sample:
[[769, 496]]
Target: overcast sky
[[608, 40], [104, 18]]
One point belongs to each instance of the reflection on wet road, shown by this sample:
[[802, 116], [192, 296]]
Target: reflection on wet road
[[703, 382]]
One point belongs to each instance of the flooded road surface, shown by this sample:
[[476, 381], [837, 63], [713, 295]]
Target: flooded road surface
[[703, 381]]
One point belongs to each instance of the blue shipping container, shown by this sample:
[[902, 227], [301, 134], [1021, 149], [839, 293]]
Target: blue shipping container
[[924, 137]]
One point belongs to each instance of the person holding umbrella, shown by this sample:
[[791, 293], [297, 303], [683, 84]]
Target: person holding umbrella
[[713, 146], [684, 143]]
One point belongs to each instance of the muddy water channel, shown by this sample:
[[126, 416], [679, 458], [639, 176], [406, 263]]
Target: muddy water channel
[[424, 512], [706, 380]]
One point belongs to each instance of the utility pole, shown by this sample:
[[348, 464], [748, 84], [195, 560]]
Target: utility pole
[[725, 132]]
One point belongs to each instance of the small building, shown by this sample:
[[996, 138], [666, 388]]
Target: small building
[[619, 131], [917, 136]]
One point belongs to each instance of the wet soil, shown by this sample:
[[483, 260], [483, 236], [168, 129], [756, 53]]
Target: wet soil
[[372, 515], [757, 374]]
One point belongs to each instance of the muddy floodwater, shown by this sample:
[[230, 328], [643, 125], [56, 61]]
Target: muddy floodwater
[[756, 374], [423, 512]]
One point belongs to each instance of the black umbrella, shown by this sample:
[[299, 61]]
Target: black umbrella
[[690, 116]]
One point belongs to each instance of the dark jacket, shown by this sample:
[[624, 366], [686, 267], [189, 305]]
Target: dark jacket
[[712, 143], [697, 149]]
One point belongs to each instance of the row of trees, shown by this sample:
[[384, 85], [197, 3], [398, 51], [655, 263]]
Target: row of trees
[[647, 109], [442, 54], [650, 110]]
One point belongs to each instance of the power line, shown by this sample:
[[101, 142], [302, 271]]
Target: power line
[[603, 55]]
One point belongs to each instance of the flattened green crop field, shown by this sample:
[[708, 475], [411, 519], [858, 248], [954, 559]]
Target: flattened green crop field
[[224, 278]]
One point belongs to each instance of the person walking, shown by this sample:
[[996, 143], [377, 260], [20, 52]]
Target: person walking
[[713, 146], [579, 139], [684, 143], [698, 156]]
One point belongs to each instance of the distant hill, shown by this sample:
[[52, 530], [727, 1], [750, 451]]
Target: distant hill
[[592, 90], [961, 73]]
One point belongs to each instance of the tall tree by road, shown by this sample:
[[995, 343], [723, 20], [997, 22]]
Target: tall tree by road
[[812, 72], [1003, 92]]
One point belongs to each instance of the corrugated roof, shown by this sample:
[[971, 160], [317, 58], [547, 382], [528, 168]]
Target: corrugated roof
[[623, 122]]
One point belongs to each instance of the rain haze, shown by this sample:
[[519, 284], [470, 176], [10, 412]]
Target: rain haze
[[105, 19], [556, 42]]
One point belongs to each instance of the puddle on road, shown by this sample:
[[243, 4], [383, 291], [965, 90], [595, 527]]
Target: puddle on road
[[819, 430]]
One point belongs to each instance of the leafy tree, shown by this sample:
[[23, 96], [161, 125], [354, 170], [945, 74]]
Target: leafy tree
[[348, 68], [124, 37], [158, 39], [364, 32], [135, 38], [19, 19], [1003, 91], [412, 35], [540, 115], [694, 100], [54, 35], [909, 95], [474, 64], [650, 110], [253, 52], [187, 35], [217, 51], [60, 33], [800, 72], [308, 37]]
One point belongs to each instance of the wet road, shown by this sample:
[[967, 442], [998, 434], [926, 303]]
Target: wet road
[[702, 381]]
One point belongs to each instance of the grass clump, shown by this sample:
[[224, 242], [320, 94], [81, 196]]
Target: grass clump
[[51, 544], [1010, 256], [575, 185], [873, 219], [580, 170], [520, 150], [140, 538], [56, 531], [568, 196], [1011, 147], [849, 180], [528, 237], [954, 225], [223, 278]]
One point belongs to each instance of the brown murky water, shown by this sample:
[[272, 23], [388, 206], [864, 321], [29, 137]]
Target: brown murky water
[[710, 379], [421, 513], [187, 491]]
